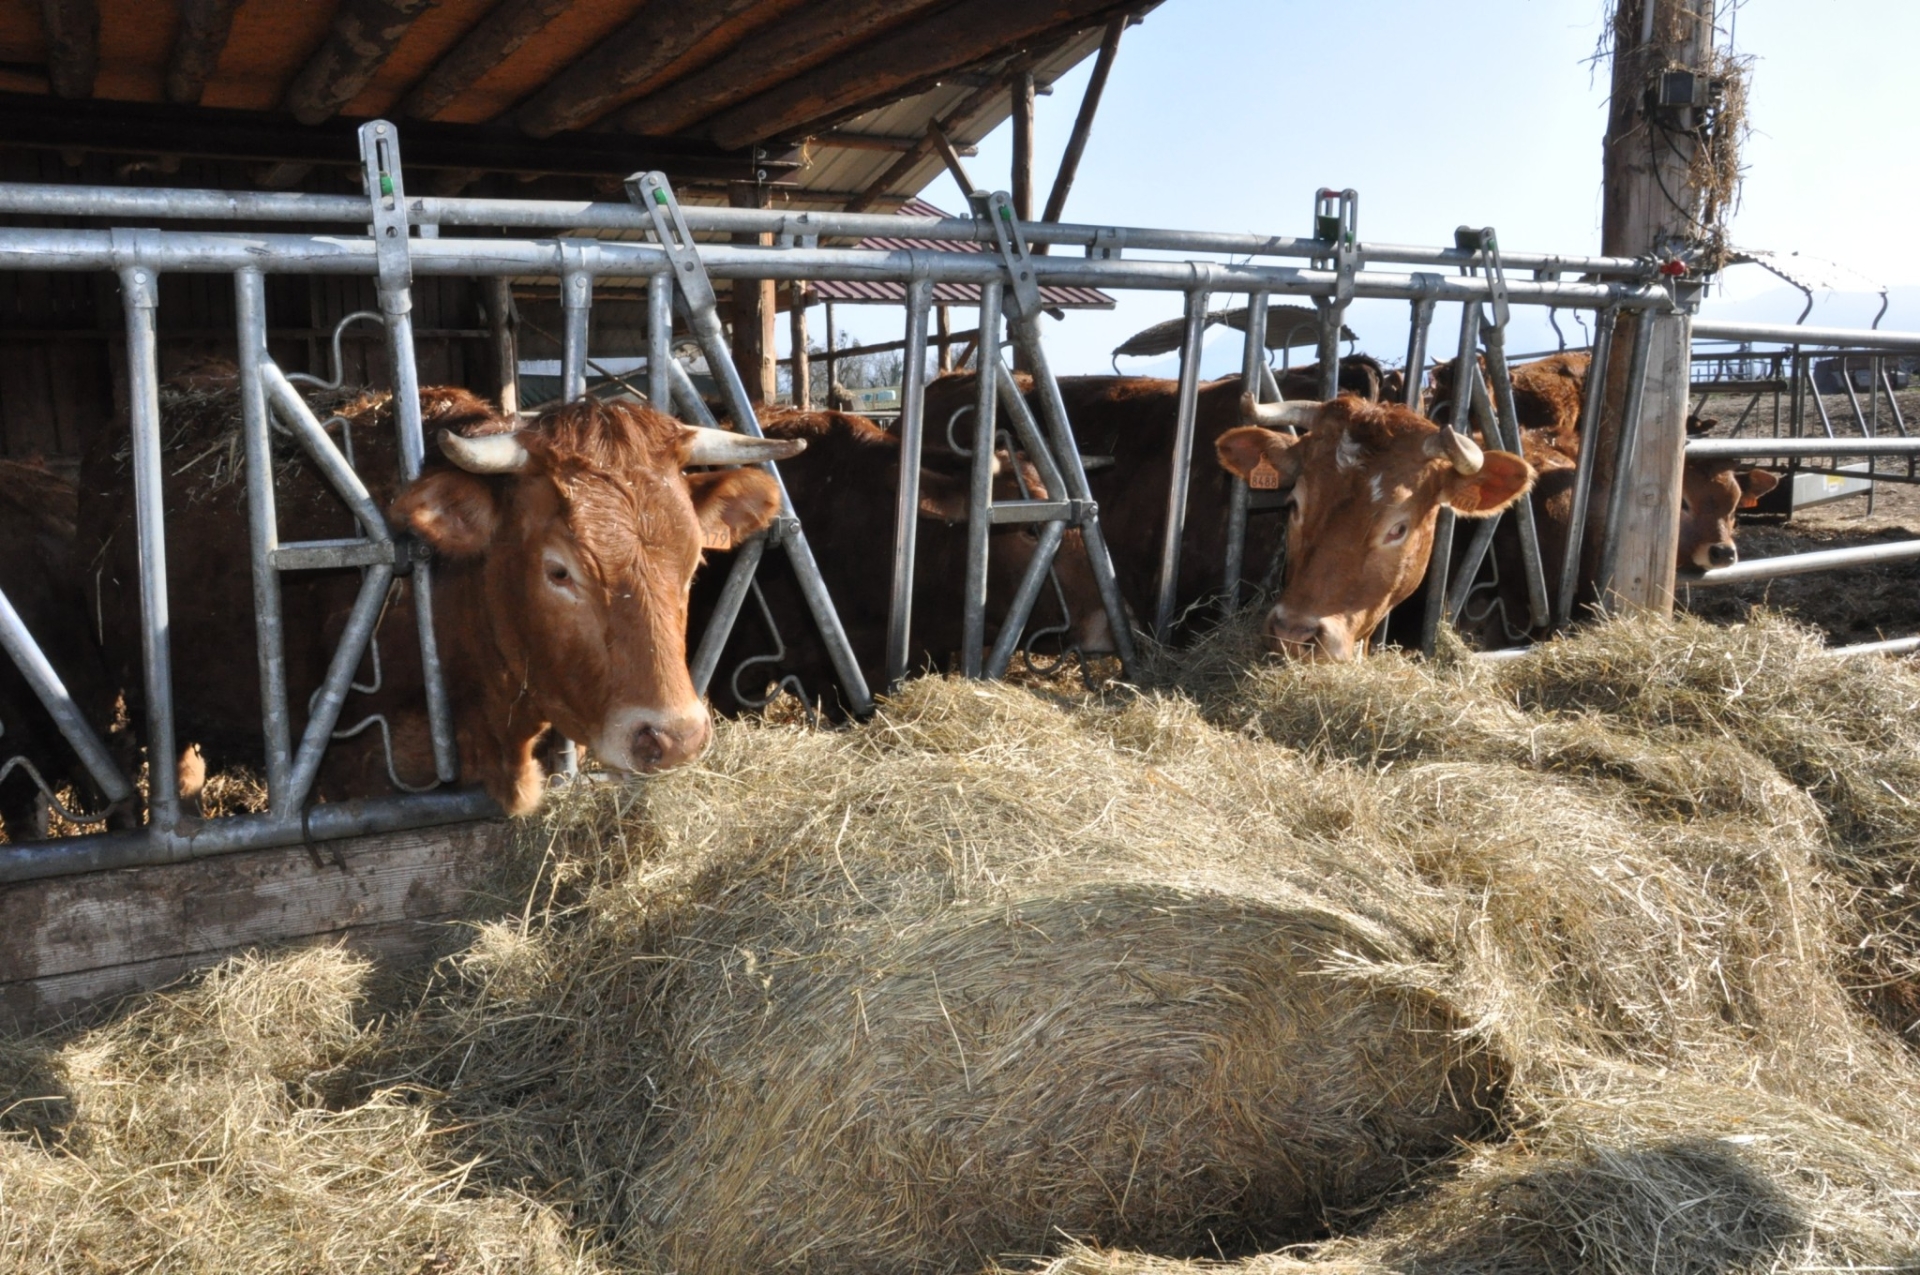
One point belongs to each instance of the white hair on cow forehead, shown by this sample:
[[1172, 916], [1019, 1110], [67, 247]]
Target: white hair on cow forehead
[[1378, 486], [1351, 452]]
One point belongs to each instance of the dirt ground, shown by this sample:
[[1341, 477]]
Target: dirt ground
[[1859, 604]]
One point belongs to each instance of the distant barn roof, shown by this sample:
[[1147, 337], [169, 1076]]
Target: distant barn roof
[[860, 291], [828, 99]]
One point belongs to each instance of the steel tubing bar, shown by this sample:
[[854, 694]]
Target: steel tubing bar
[[576, 300], [122, 204], [263, 533], [52, 693], [1440, 563], [1629, 437], [1892, 646], [726, 611], [906, 515], [1027, 431], [1794, 564], [141, 295], [986, 384], [1420, 323], [312, 437], [1787, 448], [1008, 639], [660, 340], [199, 251], [1788, 334], [329, 821], [1509, 418], [325, 712], [1591, 405], [1026, 334], [1253, 360], [1186, 405]]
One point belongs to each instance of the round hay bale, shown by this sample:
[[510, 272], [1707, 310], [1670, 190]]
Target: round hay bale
[[1170, 1069]]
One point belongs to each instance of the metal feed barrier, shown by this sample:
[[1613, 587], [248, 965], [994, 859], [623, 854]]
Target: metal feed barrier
[[398, 237]]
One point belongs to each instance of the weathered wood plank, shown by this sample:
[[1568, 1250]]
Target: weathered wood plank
[[204, 28], [364, 35], [490, 42], [73, 45], [101, 921]]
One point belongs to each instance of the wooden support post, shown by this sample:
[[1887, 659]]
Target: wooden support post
[[827, 395], [1083, 122], [1649, 205], [753, 306], [944, 338], [950, 156], [802, 361], [503, 329], [1023, 145]]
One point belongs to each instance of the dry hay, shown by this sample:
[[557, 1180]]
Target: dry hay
[[1458, 966], [204, 441]]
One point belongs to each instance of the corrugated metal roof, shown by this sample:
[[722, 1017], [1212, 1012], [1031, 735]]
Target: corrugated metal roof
[[863, 293]]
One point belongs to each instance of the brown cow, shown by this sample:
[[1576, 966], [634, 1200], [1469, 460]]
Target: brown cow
[[842, 489], [37, 509], [564, 550], [1365, 483]]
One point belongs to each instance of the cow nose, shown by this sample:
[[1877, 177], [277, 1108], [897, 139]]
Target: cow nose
[[648, 740], [1289, 634], [1723, 555]]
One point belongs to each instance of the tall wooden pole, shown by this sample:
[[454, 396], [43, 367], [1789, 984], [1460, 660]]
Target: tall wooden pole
[[1650, 206], [802, 363], [753, 307], [1022, 171]]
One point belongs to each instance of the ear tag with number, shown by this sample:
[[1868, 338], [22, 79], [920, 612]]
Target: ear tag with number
[[718, 537], [1264, 476]]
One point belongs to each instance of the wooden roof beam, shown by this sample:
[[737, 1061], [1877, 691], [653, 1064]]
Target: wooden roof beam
[[1083, 122], [73, 45], [491, 41], [969, 107], [204, 28], [901, 62], [628, 62], [876, 142], [794, 46], [364, 34]]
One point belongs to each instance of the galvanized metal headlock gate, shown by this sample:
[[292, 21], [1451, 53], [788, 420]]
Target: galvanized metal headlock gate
[[406, 237]]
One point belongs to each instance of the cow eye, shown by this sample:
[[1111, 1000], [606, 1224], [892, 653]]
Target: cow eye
[[1395, 534], [557, 572]]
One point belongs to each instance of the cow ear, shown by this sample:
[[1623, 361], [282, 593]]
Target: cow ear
[[1502, 479], [1755, 483], [733, 504], [453, 511], [1263, 457]]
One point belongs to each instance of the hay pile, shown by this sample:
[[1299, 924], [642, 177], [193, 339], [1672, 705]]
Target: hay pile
[[1554, 965]]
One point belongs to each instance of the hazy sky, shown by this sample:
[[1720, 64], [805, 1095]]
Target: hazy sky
[[1229, 114]]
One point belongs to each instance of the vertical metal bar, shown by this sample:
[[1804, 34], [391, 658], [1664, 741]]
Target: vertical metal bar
[[361, 622], [1439, 565], [1617, 494], [140, 293], [906, 510], [1051, 533], [1253, 358], [52, 693], [660, 341], [726, 611], [1509, 419], [576, 300], [1331, 317], [250, 311], [1419, 325], [1185, 409], [973, 629], [1591, 404], [1853, 396], [503, 327]]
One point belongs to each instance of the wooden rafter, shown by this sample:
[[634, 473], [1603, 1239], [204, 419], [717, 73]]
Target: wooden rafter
[[204, 28], [490, 42], [959, 117], [629, 61], [794, 46], [363, 35], [1083, 122], [73, 45], [900, 63]]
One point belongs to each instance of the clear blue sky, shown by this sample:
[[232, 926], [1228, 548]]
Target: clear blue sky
[[1228, 114]]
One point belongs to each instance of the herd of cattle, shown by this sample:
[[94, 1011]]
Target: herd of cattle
[[568, 550]]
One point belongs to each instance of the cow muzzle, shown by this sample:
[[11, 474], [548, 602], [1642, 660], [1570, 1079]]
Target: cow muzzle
[[1708, 556], [1299, 637], [648, 740]]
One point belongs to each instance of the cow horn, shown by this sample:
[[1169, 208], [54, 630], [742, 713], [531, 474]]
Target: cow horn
[[1451, 445], [487, 454], [1297, 414], [724, 447]]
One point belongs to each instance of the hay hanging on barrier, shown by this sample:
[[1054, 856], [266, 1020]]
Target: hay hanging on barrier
[[1448, 966]]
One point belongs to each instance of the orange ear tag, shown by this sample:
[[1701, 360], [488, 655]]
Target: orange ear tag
[[1264, 476], [720, 537]]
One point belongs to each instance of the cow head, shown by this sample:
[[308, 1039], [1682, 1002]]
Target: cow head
[[1366, 482], [1710, 493], [584, 531]]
